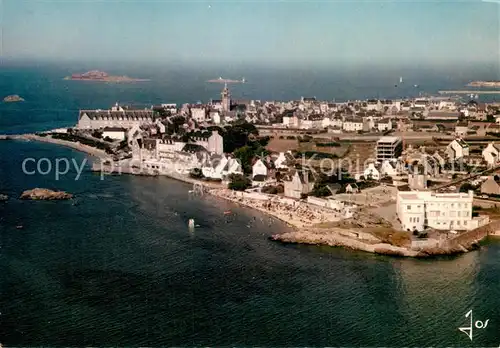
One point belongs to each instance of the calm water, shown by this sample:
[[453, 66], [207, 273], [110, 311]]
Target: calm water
[[122, 268]]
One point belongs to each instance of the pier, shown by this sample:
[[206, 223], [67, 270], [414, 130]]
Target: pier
[[469, 92]]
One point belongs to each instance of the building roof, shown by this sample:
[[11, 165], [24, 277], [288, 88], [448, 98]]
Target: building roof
[[125, 114], [389, 140], [191, 148], [114, 129], [462, 143]]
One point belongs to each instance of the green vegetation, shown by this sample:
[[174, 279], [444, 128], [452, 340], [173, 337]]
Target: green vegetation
[[466, 187], [387, 235], [331, 144], [196, 173], [97, 134], [238, 182], [316, 155], [84, 141], [273, 190]]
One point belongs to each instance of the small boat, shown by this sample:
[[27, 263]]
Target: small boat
[[227, 212], [191, 223], [19, 227]]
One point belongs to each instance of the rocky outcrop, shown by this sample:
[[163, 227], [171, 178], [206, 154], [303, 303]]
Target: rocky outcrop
[[12, 98], [45, 194], [3, 198]]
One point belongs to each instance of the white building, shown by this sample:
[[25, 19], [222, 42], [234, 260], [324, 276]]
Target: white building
[[418, 210], [212, 142], [384, 125], [457, 149], [199, 113], [491, 154], [389, 148], [116, 117], [390, 168], [283, 158], [291, 121], [353, 125], [371, 172], [115, 133], [259, 168]]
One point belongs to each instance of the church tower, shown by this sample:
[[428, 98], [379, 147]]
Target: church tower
[[226, 99]]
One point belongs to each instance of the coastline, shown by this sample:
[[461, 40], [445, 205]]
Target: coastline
[[301, 217], [89, 150]]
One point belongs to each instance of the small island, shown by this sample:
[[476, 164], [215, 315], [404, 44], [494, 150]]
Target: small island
[[494, 84], [45, 194], [13, 98], [96, 75]]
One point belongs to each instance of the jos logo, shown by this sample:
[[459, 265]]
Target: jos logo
[[478, 324]]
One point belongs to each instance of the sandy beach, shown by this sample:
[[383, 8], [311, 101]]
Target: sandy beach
[[298, 214]]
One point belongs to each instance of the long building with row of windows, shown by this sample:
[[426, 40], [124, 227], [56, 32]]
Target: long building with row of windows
[[420, 210]]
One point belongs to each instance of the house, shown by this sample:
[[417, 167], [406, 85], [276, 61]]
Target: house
[[353, 124], [233, 166], [491, 186], [211, 141], [291, 121], [491, 154], [461, 129], [371, 172], [301, 182], [199, 113], [215, 117], [214, 167], [457, 149], [384, 125], [351, 188], [417, 178], [260, 168], [390, 168], [115, 133], [284, 160]]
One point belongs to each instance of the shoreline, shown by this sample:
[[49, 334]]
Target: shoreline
[[303, 232], [89, 150]]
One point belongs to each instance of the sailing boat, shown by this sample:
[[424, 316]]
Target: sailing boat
[[401, 79]]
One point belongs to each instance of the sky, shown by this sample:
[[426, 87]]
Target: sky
[[253, 31]]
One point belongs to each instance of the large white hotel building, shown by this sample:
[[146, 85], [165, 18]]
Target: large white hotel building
[[418, 210]]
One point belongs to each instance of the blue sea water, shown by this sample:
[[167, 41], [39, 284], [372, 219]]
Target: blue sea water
[[121, 268]]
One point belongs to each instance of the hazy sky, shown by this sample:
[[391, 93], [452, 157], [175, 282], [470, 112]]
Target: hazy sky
[[253, 31]]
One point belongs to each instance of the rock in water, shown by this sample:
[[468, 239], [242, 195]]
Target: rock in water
[[3, 198], [12, 98], [45, 194]]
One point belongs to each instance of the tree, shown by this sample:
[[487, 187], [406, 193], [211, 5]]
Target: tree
[[97, 134], [245, 154], [238, 182], [466, 187], [196, 173]]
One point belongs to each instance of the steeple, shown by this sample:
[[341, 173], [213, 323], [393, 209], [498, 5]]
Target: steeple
[[226, 99]]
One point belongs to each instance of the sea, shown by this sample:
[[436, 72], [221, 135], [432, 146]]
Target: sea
[[118, 265]]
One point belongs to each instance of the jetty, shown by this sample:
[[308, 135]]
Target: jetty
[[469, 92]]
